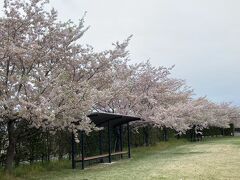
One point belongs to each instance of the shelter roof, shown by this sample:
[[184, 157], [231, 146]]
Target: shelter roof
[[101, 119]]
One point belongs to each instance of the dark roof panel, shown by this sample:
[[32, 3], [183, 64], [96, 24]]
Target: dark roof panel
[[101, 119]]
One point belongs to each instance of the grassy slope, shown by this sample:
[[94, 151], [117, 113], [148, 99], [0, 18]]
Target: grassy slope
[[212, 159]]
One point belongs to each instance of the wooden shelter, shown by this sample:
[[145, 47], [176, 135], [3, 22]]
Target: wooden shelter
[[108, 121]]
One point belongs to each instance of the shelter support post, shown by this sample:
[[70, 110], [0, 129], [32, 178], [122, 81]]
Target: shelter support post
[[100, 145], [82, 148], [128, 137], [73, 152], [121, 140], [109, 143]]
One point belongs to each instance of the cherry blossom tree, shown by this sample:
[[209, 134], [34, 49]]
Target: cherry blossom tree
[[47, 78]]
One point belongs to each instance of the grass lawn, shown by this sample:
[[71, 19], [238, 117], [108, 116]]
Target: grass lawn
[[218, 158]]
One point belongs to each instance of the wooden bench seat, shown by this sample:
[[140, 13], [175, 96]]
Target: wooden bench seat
[[119, 153], [100, 156]]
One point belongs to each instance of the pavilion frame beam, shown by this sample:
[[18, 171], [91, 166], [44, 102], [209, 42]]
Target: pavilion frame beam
[[128, 138], [121, 140], [109, 143], [100, 145]]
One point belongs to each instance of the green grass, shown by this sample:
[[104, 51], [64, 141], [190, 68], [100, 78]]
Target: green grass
[[217, 158]]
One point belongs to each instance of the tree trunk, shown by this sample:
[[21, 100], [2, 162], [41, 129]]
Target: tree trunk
[[193, 134], [60, 146], [11, 147], [31, 153], [146, 136], [17, 158], [165, 135], [48, 147]]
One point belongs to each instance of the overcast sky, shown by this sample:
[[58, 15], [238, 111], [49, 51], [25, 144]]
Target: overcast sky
[[200, 37]]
